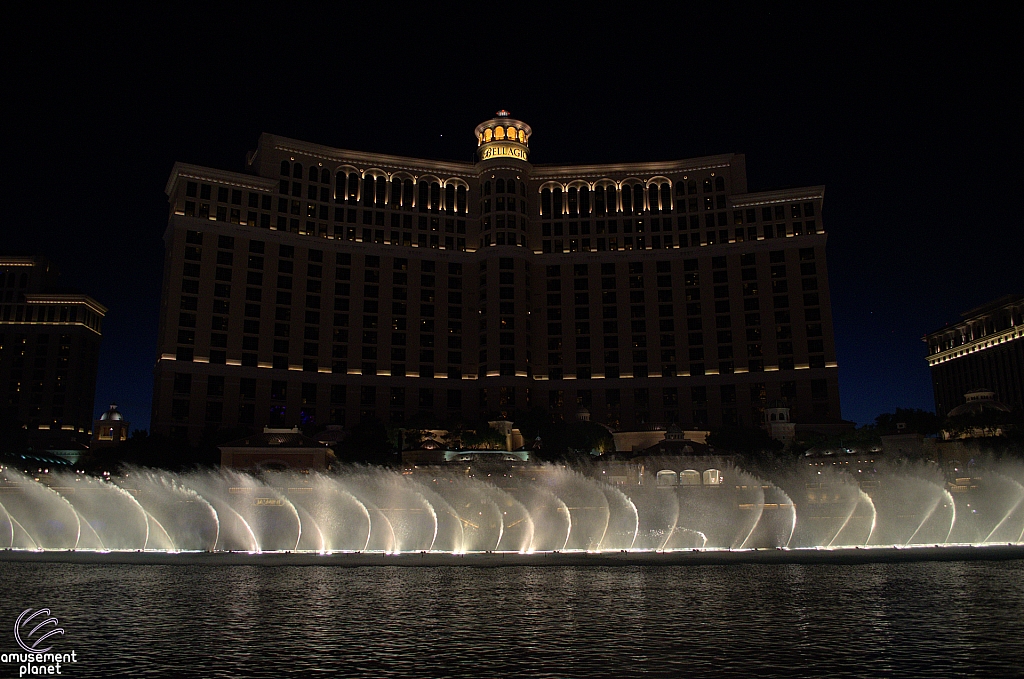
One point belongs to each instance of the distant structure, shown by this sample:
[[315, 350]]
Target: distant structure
[[324, 286], [978, 402], [110, 430], [276, 449], [49, 353], [982, 353], [777, 422]]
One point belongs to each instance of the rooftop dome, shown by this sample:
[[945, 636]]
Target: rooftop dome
[[112, 413], [503, 137], [978, 401]]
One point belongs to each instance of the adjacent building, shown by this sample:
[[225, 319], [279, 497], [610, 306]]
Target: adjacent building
[[321, 286], [49, 350], [982, 353], [111, 430]]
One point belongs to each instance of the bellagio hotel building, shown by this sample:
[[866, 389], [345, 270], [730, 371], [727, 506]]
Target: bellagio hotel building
[[323, 286]]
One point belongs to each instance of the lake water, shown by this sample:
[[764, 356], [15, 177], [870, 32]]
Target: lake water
[[932, 619]]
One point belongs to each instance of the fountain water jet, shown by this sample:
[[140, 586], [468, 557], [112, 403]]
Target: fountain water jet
[[557, 510]]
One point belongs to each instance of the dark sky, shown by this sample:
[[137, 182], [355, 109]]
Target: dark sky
[[906, 118]]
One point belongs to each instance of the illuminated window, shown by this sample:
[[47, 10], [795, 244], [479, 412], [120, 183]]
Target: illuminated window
[[499, 133], [512, 133]]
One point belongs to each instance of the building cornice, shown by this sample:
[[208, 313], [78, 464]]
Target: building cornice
[[19, 261], [54, 298], [1011, 334], [550, 172], [778, 196], [207, 174], [346, 157]]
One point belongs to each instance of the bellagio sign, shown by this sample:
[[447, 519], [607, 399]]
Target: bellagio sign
[[498, 150]]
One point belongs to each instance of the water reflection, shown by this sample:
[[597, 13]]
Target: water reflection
[[826, 620]]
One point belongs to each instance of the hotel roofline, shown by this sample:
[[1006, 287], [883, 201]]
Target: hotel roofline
[[540, 172]]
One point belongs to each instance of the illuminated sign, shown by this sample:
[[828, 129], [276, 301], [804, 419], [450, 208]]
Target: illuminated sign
[[503, 151], [267, 502]]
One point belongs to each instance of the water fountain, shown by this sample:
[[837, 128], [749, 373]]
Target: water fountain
[[372, 511]]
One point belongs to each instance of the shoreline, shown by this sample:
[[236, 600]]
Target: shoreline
[[711, 557]]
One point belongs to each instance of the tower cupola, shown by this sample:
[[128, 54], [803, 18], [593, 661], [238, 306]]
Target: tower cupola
[[503, 137]]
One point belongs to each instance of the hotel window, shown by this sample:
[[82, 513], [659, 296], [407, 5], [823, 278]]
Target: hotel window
[[352, 194]]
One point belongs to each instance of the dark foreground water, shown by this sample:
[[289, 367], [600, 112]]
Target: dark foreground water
[[905, 619]]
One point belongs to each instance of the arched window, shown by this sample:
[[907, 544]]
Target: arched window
[[396, 193], [573, 201], [689, 477], [556, 201], [435, 196], [522, 137], [599, 207], [461, 198], [584, 200], [314, 173], [407, 193], [512, 133], [449, 198], [297, 171], [652, 197], [680, 189], [423, 197], [638, 198], [325, 176], [666, 198], [691, 186], [627, 199], [368, 191], [487, 187], [286, 168], [719, 183], [487, 134], [339, 187], [511, 185], [707, 186], [499, 133], [611, 201], [353, 188], [545, 203], [382, 189], [499, 186], [667, 477]]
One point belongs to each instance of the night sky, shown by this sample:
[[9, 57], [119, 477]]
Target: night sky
[[906, 119]]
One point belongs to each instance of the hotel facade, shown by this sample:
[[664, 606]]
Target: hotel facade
[[49, 352], [984, 351], [322, 286]]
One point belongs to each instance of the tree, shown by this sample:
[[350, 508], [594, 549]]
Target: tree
[[368, 443], [587, 437], [483, 437], [744, 440], [917, 421], [13, 437]]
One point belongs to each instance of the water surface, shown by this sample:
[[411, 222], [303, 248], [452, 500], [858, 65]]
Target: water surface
[[897, 619]]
